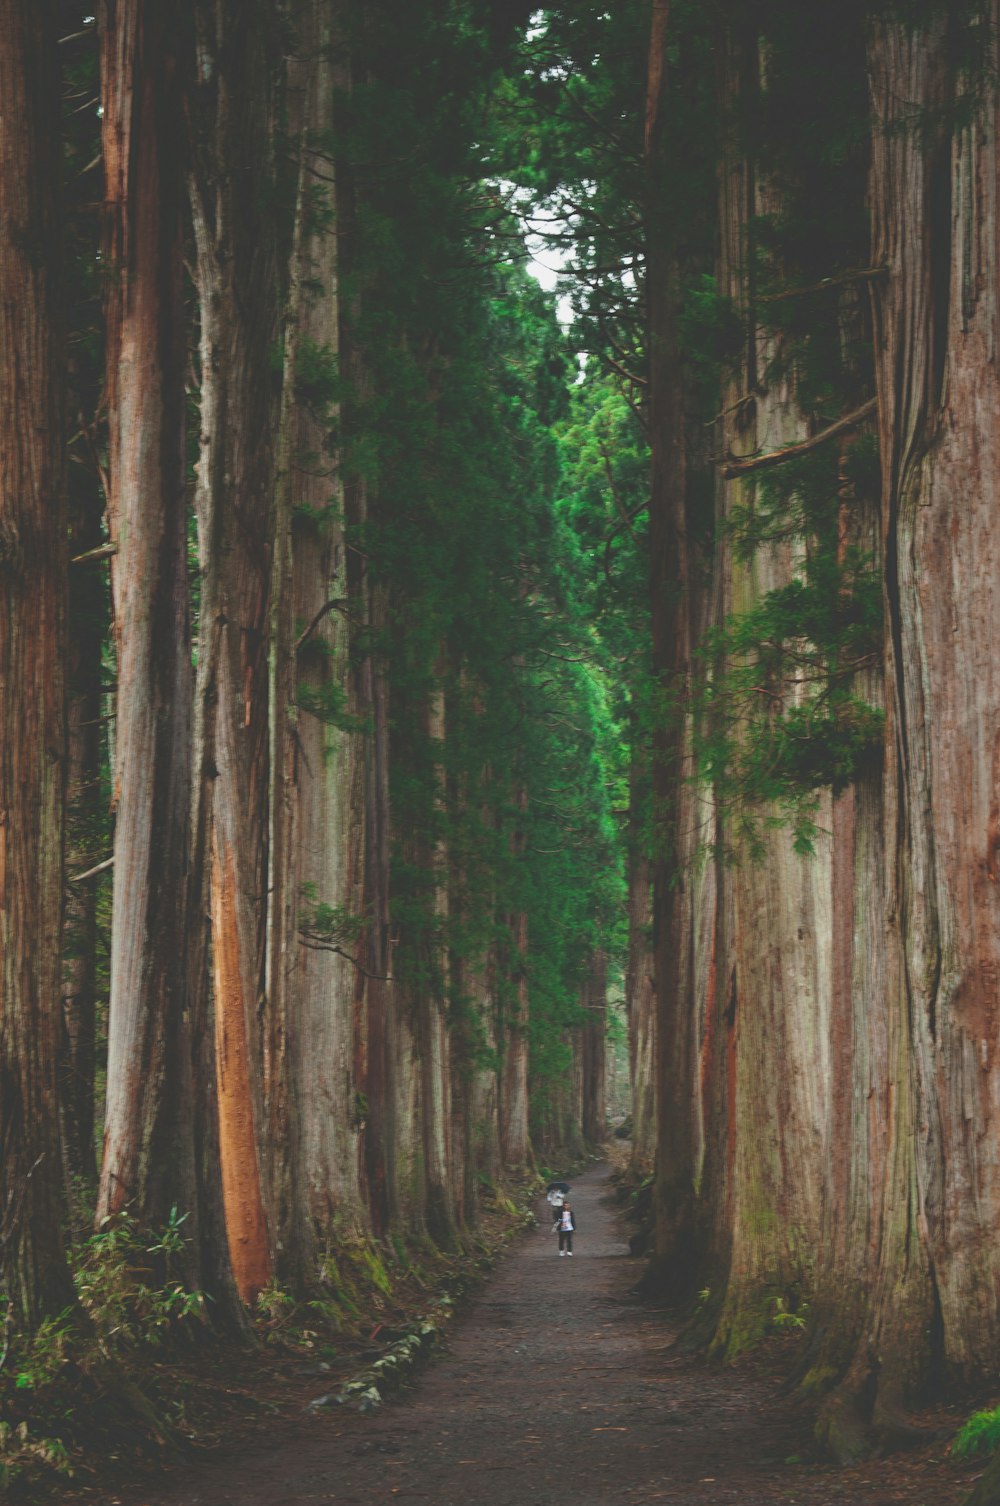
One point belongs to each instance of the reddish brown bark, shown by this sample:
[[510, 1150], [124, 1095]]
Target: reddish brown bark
[[512, 1030], [246, 1226], [924, 1054], [677, 1142], [84, 821], [436, 1040], [33, 603], [640, 995], [237, 287]]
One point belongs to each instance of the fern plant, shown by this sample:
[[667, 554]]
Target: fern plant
[[980, 1434]]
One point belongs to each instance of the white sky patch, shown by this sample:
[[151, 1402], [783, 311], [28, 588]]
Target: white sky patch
[[547, 264], [548, 259]]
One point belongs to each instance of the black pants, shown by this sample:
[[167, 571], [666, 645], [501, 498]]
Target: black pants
[[567, 1235]]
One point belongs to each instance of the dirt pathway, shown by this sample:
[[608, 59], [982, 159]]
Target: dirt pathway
[[558, 1386]]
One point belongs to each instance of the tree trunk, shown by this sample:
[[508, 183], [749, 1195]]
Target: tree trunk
[[928, 1306], [33, 607], [484, 1087], [677, 1138], [237, 286], [466, 971], [781, 912], [640, 997], [148, 1161], [512, 1028], [326, 761], [593, 1107], [381, 1129], [84, 824], [436, 1053]]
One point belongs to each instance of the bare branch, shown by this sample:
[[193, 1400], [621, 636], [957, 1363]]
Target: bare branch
[[94, 556], [78, 878], [743, 466], [315, 944], [859, 274], [337, 605]]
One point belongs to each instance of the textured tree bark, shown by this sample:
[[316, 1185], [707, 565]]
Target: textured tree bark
[[325, 764], [484, 1087], [640, 997], [929, 1304], [436, 1045], [374, 1040], [237, 286], [148, 1161], [467, 976], [781, 902], [279, 1005], [512, 1030], [675, 1258], [33, 607], [78, 1026], [382, 1064]]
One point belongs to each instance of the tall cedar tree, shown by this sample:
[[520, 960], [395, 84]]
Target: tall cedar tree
[[33, 563]]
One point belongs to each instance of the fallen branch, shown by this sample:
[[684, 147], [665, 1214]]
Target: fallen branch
[[741, 467]]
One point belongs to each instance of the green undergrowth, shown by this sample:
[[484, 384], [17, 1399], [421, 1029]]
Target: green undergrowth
[[980, 1434], [141, 1372]]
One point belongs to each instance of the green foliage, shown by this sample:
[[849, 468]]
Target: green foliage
[[785, 1318], [45, 1353], [20, 1449], [778, 715], [462, 435], [317, 378], [712, 336], [128, 1286], [979, 1434]]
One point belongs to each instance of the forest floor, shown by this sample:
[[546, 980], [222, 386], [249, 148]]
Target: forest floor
[[558, 1384]]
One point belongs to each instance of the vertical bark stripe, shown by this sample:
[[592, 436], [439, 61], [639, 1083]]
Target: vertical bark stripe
[[246, 1227]]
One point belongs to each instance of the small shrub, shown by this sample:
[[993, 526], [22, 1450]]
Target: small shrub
[[128, 1285], [979, 1435], [783, 1318]]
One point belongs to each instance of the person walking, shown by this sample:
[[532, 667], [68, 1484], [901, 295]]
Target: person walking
[[567, 1228]]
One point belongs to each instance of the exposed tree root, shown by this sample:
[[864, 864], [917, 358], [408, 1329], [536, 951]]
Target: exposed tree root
[[987, 1491], [124, 1398]]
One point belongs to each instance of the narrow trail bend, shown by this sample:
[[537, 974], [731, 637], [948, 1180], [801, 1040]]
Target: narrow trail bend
[[557, 1385]]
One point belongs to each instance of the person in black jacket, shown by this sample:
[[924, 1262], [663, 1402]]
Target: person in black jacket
[[567, 1228]]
